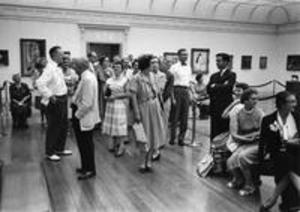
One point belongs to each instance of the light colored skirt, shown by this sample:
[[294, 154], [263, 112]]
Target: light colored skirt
[[115, 119], [244, 156], [153, 121]]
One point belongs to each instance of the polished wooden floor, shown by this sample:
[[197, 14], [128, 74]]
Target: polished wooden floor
[[30, 183]]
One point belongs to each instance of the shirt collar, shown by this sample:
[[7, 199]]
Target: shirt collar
[[53, 63], [279, 119]]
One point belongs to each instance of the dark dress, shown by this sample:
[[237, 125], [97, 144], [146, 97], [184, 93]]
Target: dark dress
[[284, 160], [220, 97], [20, 113]]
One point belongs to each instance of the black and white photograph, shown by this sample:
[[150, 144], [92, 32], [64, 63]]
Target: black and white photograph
[[150, 106]]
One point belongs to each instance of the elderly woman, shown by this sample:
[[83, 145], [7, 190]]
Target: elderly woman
[[20, 102], [280, 137], [245, 131], [147, 110]]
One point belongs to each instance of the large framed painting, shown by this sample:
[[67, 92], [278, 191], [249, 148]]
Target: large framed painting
[[246, 62], [263, 62], [171, 57], [200, 60], [31, 50], [293, 63], [4, 57]]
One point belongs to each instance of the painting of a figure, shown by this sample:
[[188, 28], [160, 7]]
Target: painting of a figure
[[200, 60], [31, 51]]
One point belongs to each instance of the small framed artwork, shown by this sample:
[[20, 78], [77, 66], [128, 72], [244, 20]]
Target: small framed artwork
[[200, 61], [263, 62], [31, 51], [4, 57], [246, 62], [171, 57], [293, 63]]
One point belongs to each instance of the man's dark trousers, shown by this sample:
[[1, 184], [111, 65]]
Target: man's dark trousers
[[180, 112], [57, 121], [85, 145]]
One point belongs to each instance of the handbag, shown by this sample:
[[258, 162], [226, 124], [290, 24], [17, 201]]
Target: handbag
[[205, 165], [220, 140], [139, 132]]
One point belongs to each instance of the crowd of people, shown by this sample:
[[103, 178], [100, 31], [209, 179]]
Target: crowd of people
[[140, 100]]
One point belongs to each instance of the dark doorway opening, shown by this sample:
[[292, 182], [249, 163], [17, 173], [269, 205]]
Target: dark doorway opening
[[104, 49]]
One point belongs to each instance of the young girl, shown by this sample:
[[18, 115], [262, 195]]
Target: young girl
[[115, 118]]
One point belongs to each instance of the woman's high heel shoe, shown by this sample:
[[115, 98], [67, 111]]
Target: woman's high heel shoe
[[155, 157], [266, 207]]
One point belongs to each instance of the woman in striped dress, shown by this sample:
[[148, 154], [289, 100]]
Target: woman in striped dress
[[115, 118]]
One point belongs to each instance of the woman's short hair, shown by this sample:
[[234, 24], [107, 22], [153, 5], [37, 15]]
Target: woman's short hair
[[102, 59], [144, 61], [242, 85], [281, 98], [15, 76], [119, 63], [247, 94]]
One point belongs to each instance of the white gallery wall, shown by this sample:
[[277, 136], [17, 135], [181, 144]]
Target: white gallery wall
[[157, 39]]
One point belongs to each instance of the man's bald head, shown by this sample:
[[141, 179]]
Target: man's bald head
[[80, 65]]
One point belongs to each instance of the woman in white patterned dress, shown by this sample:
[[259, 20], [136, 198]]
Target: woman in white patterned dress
[[115, 118]]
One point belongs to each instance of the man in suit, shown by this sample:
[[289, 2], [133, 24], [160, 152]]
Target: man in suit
[[85, 117], [280, 126], [219, 90]]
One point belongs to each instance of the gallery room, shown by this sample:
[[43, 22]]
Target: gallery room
[[150, 105]]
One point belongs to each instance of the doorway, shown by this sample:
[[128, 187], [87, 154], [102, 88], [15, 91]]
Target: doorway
[[104, 49]]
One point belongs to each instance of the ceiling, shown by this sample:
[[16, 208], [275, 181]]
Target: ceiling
[[276, 12]]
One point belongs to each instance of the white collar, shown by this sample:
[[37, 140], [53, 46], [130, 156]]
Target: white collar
[[279, 119]]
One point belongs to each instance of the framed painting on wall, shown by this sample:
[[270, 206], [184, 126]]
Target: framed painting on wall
[[171, 57], [4, 58], [263, 62], [200, 61], [293, 63], [246, 62], [31, 50]]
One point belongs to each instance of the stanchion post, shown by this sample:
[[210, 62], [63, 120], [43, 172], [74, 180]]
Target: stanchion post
[[193, 142]]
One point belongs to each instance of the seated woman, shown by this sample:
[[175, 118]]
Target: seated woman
[[280, 137], [231, 111], [199, 90], [245, 131], [20, 102]]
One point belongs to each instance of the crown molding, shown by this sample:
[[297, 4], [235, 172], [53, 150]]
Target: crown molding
[[293, 28], [123, 21]]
